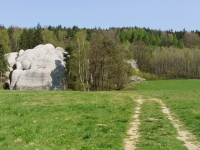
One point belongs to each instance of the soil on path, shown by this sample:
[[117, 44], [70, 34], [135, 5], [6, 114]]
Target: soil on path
[[188, 138], [130, 142]]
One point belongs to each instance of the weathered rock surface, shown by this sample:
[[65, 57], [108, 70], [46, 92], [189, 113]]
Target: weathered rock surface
[[40, 68], [137, 79], [134, 65]]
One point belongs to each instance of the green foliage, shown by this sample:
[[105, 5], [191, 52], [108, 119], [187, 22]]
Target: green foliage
[[180, 44], [150, 37], [107, 65], [49, 37], [140, 52], [166, 54], [26, 39], [11, 38], [176, 63], [15, 39], [147, 76], [37, 36], [191, 40], [3, 60], [78, 64], [31, 38], [4, 40], [175, 41]]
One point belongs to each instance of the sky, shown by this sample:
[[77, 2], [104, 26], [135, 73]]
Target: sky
[[155, 14]]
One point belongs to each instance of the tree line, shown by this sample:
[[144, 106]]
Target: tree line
[[98, 56]]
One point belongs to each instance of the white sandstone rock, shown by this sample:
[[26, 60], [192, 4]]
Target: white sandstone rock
[[137, 79], [21, 52], [11, 57], [60, 49], [18, 66], [133, 64], [14, 77], [40, 68]]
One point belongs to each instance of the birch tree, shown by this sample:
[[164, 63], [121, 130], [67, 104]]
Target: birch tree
[[79, 61]]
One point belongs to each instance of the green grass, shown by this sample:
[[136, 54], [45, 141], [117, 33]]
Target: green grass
[[161, 85], [181, 96], [156, 130], [64, 120], [97, 120]]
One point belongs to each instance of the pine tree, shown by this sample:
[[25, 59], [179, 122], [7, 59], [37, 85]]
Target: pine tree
[[37, 37], [30, 39], [23, 42], [11, 38], [3, 60]]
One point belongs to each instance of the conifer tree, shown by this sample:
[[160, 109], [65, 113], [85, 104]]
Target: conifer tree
[[37, 37], [10, 31], [23, 43], [3, 60]]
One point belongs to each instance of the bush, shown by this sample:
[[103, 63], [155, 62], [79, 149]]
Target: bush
[[147, 76], [6, 86], [1, 86]]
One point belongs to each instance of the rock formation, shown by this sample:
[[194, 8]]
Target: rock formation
[[134, 65], [137, 79], [40, 68]]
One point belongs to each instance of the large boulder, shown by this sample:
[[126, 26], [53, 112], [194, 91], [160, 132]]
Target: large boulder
[[40, 68]]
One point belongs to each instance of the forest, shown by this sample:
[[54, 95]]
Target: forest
[[98, 56]]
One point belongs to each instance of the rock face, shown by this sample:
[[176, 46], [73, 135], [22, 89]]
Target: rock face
[[137, 79], [40, 68], [134, 65]]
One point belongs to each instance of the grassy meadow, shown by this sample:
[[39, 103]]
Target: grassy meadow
[[98, 120], [156, 130], [181, 96], [64, 120]]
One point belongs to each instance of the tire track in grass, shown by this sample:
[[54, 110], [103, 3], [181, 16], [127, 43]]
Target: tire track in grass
[[183, 135], [130, 142], [156, 130]]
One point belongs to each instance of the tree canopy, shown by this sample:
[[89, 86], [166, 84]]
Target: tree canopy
[[98, 55]]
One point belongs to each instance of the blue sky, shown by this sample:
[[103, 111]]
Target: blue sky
[[155, 14]]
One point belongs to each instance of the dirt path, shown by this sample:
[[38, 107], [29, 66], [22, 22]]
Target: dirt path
[[188, 138], [130, 142], [183, 135]]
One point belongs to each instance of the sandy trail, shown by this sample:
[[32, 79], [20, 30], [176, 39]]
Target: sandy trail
[[183, 135], [130, 142], [188, 138]]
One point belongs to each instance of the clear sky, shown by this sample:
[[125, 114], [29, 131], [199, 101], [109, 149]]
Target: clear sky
[[155, 14]]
